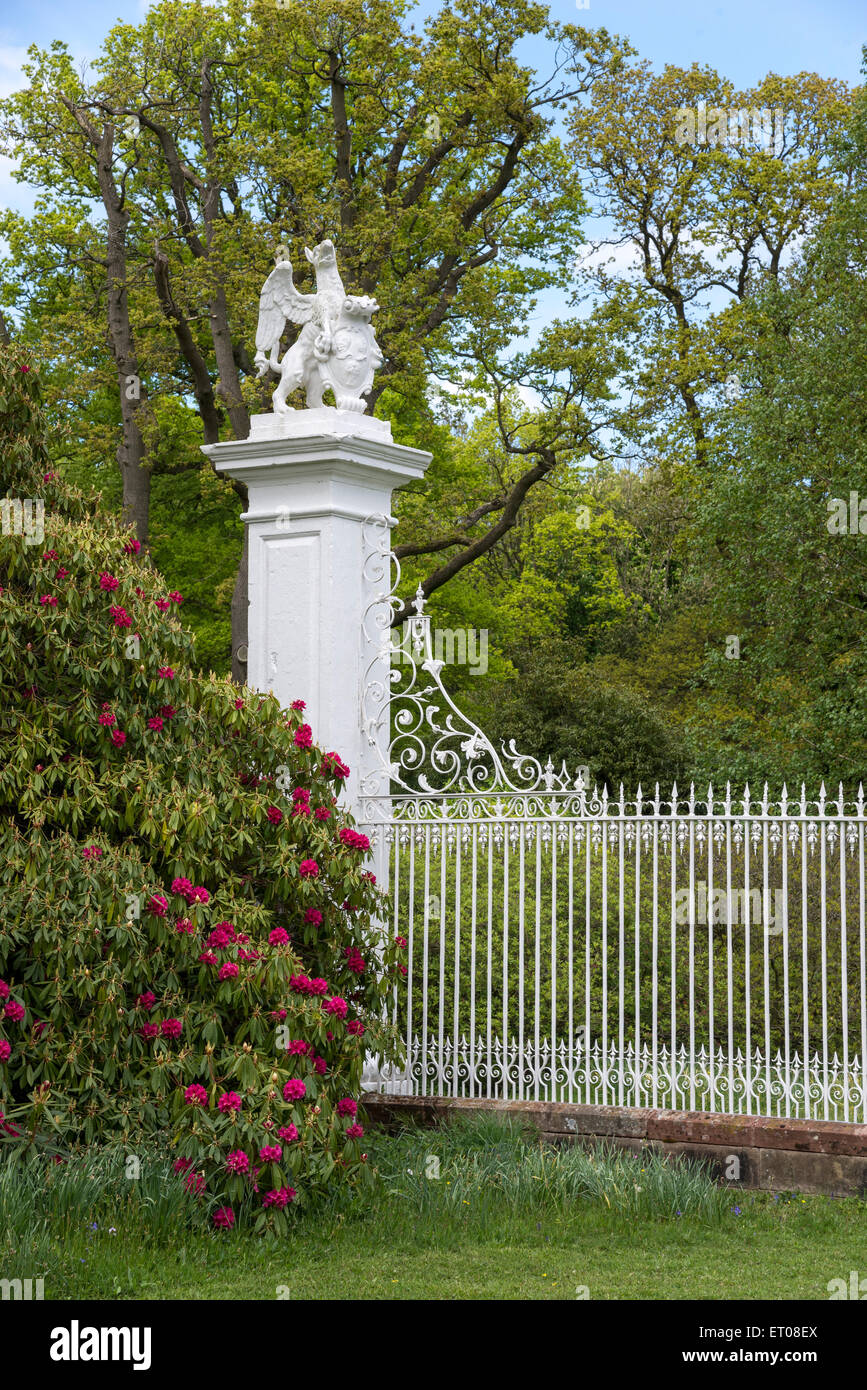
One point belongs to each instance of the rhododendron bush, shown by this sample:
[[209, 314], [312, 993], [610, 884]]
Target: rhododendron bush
[[188, 943]]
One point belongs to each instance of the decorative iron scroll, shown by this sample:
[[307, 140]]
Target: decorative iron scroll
[[433, 747]]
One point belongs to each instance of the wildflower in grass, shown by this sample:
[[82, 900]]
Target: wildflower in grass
[[196, 1095], [224, 1218], [229, 1100]]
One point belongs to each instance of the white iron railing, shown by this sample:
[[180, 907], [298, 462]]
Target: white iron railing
[[695, 952]]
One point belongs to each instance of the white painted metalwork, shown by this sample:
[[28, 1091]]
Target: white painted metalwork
[[699, 952]]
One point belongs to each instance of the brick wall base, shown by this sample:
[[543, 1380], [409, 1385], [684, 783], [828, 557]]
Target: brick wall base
[[812, 1156]]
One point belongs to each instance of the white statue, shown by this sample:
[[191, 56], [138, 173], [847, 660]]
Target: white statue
[[336, 346]]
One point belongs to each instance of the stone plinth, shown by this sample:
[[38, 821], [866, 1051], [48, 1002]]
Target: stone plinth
[[313, 478]]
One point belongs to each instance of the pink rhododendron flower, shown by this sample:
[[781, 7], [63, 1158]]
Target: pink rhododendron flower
[[48, 601], [308, 868], [107, 719], [168, 711], [62, 573], [50, 555], [176, 596], [288, 1133], [155, 723], [224, 1218], [5, 1050], [229, 1100], [239, 704], [294, 1089], [298, 1047], [278, 1013], [132, 546], [300, 794], [120, 615], [162, 604], [14, 1011], [274, 815], [181, 886], [298, 704], [183, 1165], [304, 736], [354, 1132], [336, 1006], [195, 1183], [353, 839], [208, 958], [334, 766], [199, 895], [92, 852], [171, 1027], [118, 738], [146, 1000], [107, 581], [166, 673], [346, 1107], [271, 1153], [401, 942], [4, 990], [229, 971], [369, 877], [280, 1197], [149, 1030], [313, 916], [279, 937], [196, 1095], [354, 959], [184, 925], [157, 905], [301, 808], [237, 1162], [356, 1027], [320, 1066]]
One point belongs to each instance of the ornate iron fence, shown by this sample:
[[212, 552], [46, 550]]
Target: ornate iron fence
[[703, 952]]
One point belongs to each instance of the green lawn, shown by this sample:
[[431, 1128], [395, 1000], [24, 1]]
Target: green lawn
[[504, 1220]]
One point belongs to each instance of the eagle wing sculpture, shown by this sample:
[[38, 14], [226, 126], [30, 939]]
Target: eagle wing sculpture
[[279, 301]]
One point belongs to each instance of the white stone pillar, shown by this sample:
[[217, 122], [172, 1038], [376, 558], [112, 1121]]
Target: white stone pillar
[[312, 479]]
